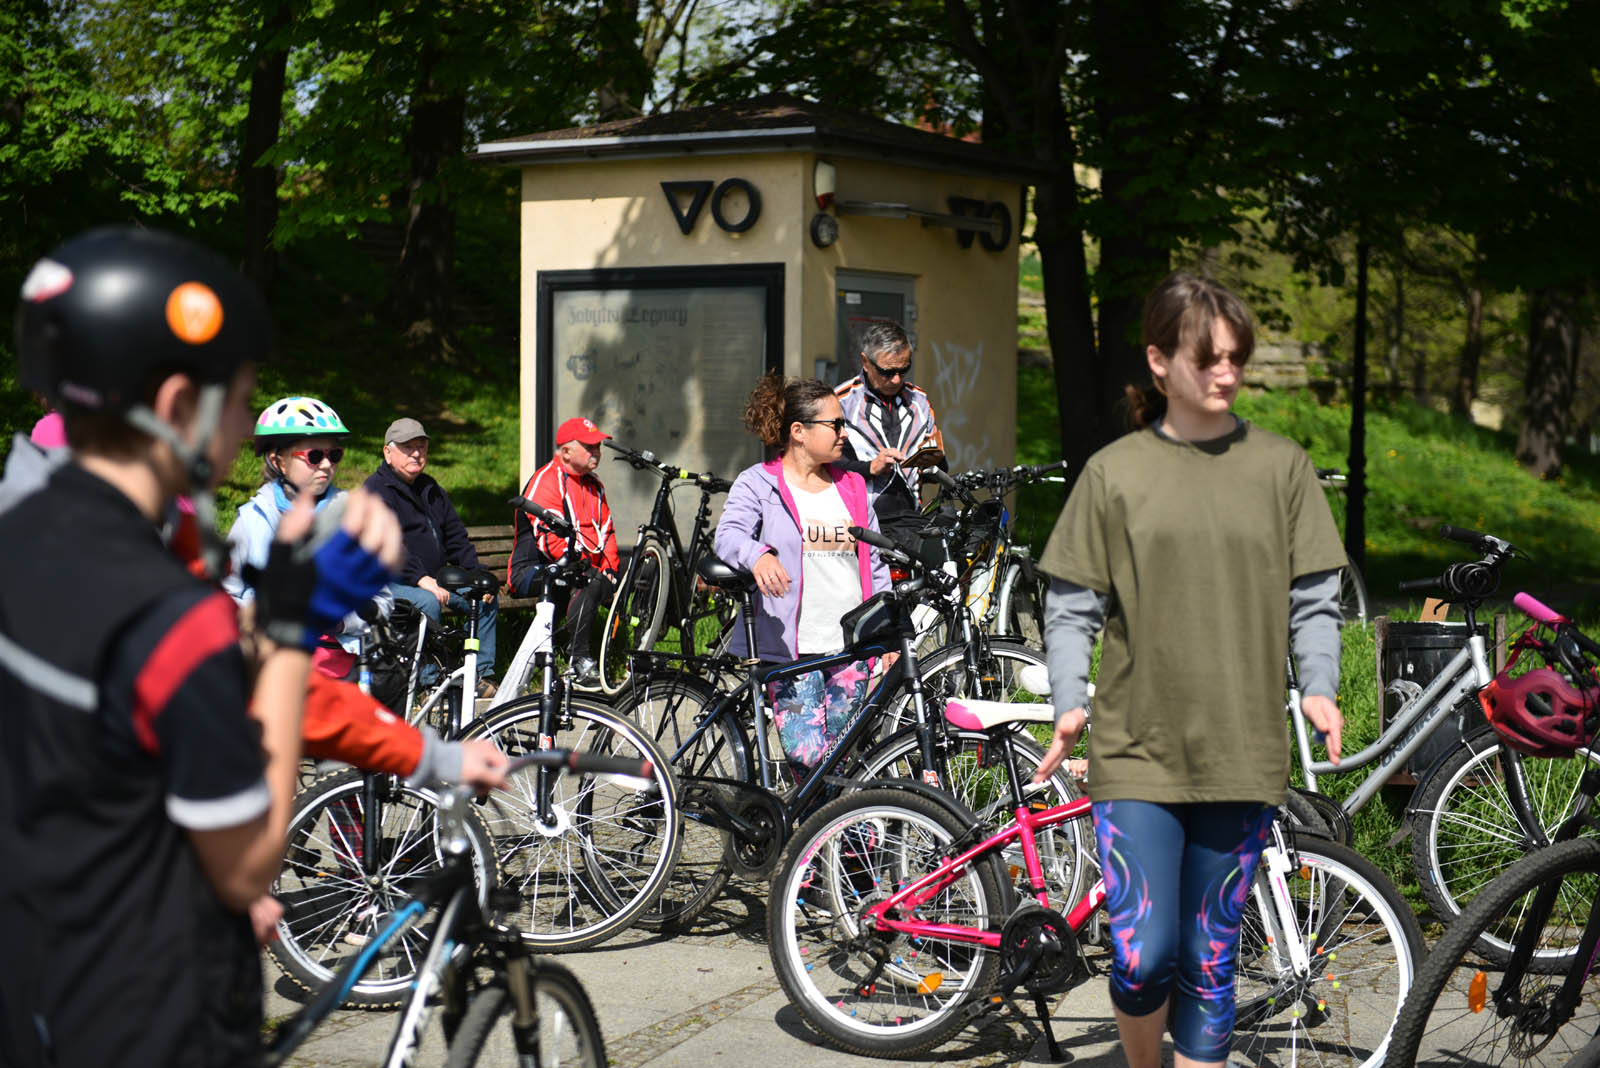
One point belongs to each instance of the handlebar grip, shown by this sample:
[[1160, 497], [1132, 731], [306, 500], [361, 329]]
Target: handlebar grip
[[1461, 534], [557, 524], [1428, 585], [872, 537], [1038, 470], [1538, 609], [942, 478], [715, 484], [601, 764]]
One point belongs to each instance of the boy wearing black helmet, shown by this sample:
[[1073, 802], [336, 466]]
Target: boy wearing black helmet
[[142, 809]]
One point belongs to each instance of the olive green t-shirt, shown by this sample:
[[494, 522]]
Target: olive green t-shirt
[[1196, 545]]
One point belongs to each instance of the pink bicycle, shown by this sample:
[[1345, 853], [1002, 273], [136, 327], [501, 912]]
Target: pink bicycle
[[896, 919]]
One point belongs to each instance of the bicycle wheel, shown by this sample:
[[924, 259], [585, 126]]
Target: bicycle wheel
[[1458, 1014], [945, 675], [331, 906], [866, 992], [1363, 945], [669, 707], [1467, 831], [566, 1035], [1588, 1056], [611, 842], [1352, 593], [975, 775], [638, 612]]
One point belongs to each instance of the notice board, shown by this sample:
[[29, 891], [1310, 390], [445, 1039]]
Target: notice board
[[662, 359]]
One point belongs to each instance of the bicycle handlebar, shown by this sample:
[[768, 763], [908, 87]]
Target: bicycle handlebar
[[1486, 544], [645, 460], [582, 763], [557, 524], [1474, 581], [1538, 609]]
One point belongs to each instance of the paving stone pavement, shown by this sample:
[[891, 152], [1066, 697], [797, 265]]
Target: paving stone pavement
[[710, 998]]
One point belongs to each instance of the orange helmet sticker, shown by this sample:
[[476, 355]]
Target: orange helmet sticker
[[194, 313]]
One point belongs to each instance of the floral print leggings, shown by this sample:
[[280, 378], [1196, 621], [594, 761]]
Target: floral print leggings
[[811, 711]]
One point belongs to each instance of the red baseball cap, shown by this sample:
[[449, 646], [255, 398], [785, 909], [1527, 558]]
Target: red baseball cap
[[580, 429]]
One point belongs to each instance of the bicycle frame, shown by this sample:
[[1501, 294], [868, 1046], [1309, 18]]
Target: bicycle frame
[[453, 886], [1465, 674], [1023, 829]]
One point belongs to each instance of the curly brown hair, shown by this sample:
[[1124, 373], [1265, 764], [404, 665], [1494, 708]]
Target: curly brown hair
[[777, 403]]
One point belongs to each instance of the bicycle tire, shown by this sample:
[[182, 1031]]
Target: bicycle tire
[[613, 843], [945, 675], [638, 612], [669, 706], [1587, 1057], [851, 847], [1437, 1026], [977, 780], [331, 909], [1365, 947], [1467, 831], [569, 1031], [1353, 600]]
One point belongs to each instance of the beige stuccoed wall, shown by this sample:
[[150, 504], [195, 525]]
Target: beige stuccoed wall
[[612, 213], [966, 326]]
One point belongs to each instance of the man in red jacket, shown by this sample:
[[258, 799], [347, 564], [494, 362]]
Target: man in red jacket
[[567, 486]]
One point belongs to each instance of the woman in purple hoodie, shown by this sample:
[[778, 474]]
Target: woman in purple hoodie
[[787, 522]]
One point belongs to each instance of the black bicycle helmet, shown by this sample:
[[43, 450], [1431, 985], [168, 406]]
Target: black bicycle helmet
[[106, 312]]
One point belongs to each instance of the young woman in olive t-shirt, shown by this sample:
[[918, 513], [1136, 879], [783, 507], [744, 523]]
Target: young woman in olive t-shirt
[[1201, 544]]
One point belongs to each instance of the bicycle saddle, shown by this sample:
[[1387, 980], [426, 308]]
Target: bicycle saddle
[[452, 577], [718, 574]]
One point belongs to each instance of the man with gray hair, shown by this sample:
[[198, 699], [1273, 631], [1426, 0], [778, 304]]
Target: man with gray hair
[[889, 421]]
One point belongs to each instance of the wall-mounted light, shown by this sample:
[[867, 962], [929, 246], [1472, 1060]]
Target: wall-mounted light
[[822, 179], [824, 229]]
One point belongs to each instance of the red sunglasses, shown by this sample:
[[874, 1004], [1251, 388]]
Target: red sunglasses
[[314, 457]]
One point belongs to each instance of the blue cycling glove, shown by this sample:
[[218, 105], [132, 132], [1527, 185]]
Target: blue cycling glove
[[347, 577]]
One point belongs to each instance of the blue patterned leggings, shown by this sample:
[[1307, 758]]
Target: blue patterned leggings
[[1177, 880]]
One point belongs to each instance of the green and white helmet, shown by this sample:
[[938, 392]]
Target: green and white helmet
[[293, 418]]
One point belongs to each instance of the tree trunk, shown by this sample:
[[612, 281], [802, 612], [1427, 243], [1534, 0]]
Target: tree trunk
[[1131, 96], [622, 94], [259, 196], [1466, 385], [1019, 57], [424, 279], [1548, 388]]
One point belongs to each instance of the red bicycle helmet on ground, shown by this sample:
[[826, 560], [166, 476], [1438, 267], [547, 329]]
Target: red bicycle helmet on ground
[[1540, 713]]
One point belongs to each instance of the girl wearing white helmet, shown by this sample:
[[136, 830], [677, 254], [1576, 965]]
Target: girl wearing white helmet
[[300, 441]]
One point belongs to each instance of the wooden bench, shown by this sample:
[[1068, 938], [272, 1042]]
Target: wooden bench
[[493, 545]]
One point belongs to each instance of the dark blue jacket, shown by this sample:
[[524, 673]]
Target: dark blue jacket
[[433, 532]]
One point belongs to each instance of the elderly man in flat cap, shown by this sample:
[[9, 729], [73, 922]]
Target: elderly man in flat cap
[[434, 537]]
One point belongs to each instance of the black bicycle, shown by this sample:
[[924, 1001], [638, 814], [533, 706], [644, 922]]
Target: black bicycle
[[731, 776], [658, 589], [498, 997]]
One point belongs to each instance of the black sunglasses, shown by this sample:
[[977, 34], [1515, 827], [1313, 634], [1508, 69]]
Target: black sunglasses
[[837, 424], [314, 457], [889, 372]]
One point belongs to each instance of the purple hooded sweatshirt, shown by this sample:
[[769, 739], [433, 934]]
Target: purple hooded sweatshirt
[[760, 516]]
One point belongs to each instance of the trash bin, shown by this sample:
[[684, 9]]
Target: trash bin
[[1417, 652]]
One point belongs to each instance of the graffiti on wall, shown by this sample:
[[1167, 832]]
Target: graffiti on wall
[[954, 394]]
